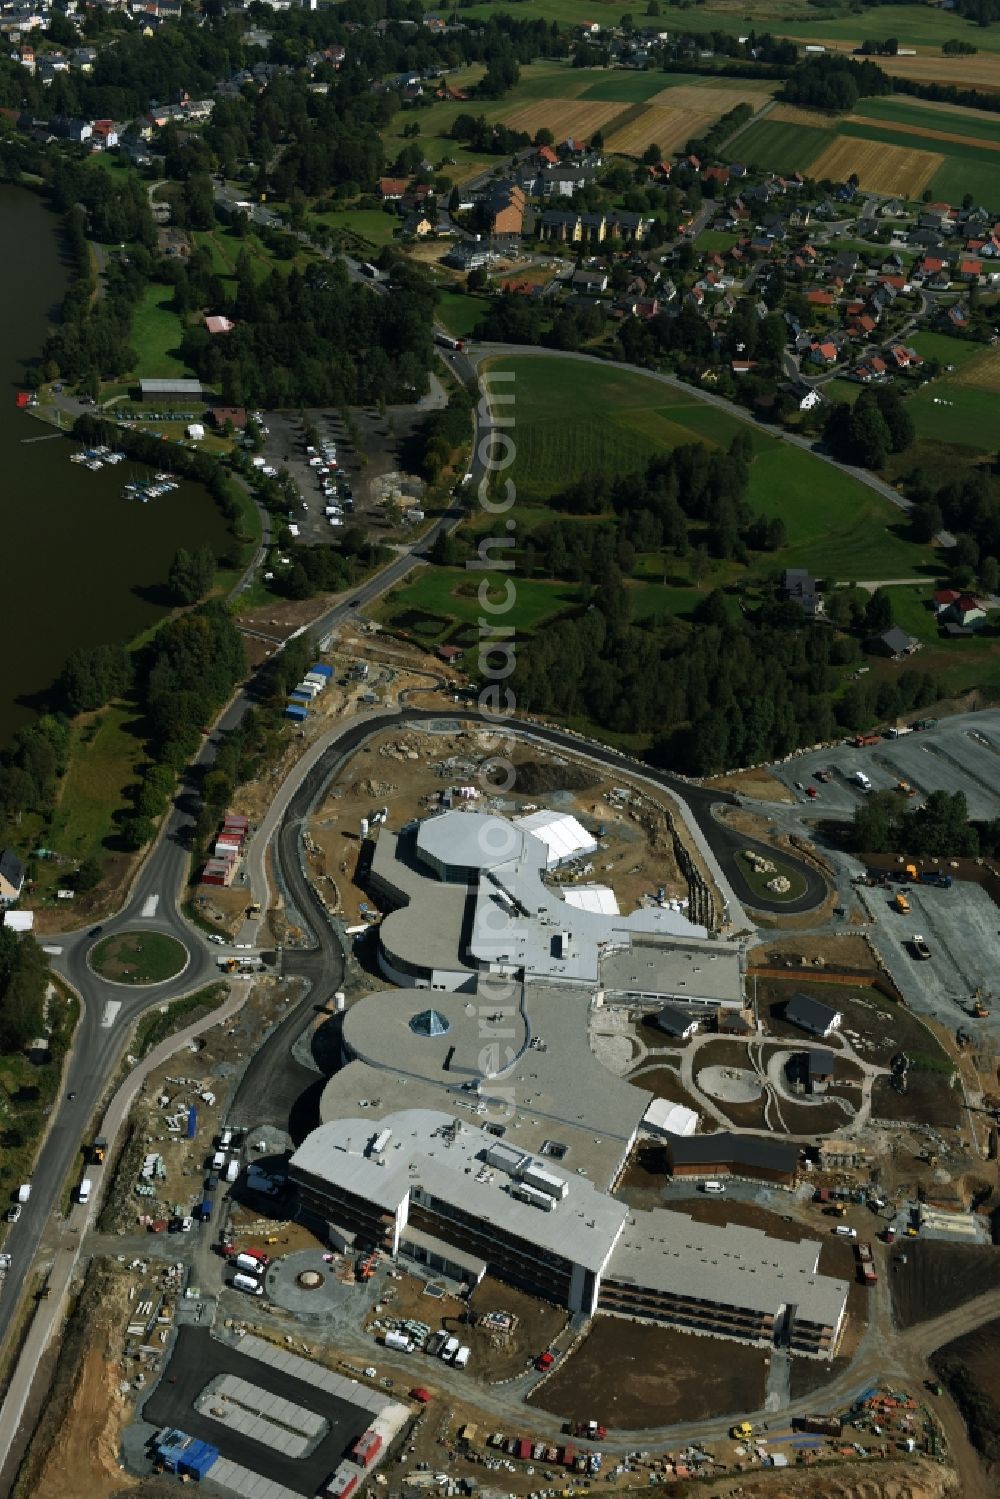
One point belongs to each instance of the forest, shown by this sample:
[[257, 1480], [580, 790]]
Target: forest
[[739, 684], [317, 338], [24, 977]]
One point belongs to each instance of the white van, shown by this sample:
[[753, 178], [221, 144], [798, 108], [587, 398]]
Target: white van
[[450, 1349], [845, 1231], [83, 1191], [225, 1139], [248, 1284], [713, 1187], [462, 1357]]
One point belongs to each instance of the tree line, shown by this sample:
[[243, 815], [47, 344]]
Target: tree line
[[886, 823]]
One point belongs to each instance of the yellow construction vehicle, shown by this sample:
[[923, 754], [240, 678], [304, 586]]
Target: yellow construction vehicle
[[741, 1432]]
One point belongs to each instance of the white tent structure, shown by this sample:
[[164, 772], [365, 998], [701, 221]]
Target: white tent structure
[[564, 837], [599, 898], [669, 1118]]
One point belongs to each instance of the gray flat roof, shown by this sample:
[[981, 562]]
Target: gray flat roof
[[171, 387], [470, 840], [697, 972], [557, 1081], [444, 1157], [726, 1263]]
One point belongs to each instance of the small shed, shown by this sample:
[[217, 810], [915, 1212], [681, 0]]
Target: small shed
[[674, 1021], [195, 431]]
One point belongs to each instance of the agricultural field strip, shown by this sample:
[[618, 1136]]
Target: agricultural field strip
[[880, 167], [930, 113], [667, 128], [775, 146], [857, 128], [568, 116]]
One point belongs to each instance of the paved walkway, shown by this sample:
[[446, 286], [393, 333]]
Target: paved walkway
[[49, 1312]]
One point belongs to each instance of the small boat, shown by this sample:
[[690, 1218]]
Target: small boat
[[94, 463]]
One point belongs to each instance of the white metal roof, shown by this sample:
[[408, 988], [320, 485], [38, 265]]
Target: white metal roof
[[672, 1118], [563, 836], [599, 898], [19, 921]]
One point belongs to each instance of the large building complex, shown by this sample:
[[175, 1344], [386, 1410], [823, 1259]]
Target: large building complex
[[472, 1128], [470, 898], [530, 1222]]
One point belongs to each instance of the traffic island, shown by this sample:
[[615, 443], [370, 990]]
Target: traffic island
[[139, 958]]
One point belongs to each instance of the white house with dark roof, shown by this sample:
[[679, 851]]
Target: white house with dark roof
[[11, 877]]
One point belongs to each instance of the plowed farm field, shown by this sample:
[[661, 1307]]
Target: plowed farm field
[[566, 117], [880, 168], [658, 125], [720, 100]]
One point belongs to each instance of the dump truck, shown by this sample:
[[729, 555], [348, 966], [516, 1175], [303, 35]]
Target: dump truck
[[741, 1432], [919, 946], [864, 741], [979, 1010], [98, 1151], [901, 904], [936, 877]]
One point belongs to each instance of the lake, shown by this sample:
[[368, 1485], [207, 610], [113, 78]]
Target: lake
[[80, 563]]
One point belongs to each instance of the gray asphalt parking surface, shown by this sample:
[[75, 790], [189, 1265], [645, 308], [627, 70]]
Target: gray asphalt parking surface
[[197, 1358], [958, 754], [960, 928]]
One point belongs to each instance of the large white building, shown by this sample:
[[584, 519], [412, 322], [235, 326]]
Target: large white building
[[470, 898], [425, 1184]]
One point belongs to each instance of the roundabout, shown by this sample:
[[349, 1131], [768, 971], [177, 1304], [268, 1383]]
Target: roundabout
[[138, 958]]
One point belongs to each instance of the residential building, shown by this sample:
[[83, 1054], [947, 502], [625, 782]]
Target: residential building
[[896, 643], [675, 1022], [798, 585], [812, 1015], [11, 877]]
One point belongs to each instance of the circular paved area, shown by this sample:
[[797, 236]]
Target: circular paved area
[[310, 1298], [730, 1084]]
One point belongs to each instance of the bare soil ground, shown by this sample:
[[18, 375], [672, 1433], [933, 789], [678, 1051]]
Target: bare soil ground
[[847, 951], [970, 1366], [759, 784], [929, 1099], [406, 772], [919, 1479], [663, 1082], [938, 1277], [75, 1448], [220, 1053], [630, 1374]]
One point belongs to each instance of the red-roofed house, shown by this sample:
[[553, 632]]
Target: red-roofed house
[[904, 358], [743, 366], [819, 298], [716, 174], [944, 598], [823, 353], [546, 155], [391, 189], [931, 265], [106, 132], [970, 270]]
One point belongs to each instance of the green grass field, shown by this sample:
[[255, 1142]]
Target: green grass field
[[944, 411], [899, 110], [102, 764], [460, 312], [138, 958], [452, 592], [715, 239], [777, 146], [573, 418], [945, 349], [156, 333], [369, 224]]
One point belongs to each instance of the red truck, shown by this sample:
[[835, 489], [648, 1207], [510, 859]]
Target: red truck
[[866, 1264], [863, 741]]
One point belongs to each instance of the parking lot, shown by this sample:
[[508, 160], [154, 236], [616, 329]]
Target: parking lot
[[373, 448], [960, 928], [198, 1358], [958, 754]]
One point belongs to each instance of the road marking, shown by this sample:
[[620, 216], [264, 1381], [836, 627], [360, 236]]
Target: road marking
[[111, 1008], [149, 906], [53, 952]]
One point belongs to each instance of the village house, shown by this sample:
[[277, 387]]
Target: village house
[[11, 877]]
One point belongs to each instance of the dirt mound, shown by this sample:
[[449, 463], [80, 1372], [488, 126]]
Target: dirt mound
[[917, 1480], [535, 776]]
